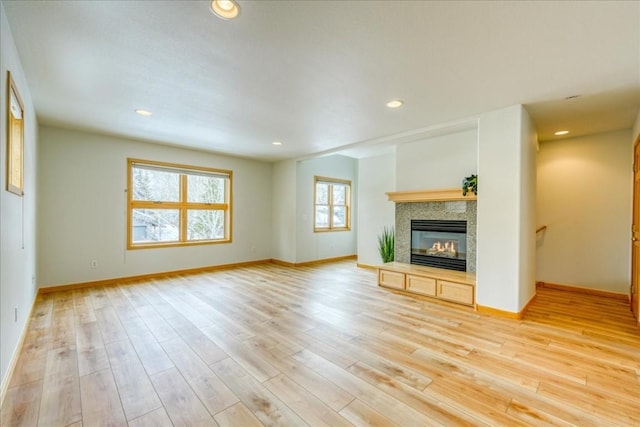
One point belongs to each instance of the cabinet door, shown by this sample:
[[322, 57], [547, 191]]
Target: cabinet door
[[391, 279], [421, 285], [457, 292]]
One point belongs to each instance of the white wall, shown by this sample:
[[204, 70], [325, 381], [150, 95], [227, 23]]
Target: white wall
[[311, 246], [17, 214], [437, 162], [376, 176], [528, 173], [585, 199], [82, 209], [504, 230], [284, 211]]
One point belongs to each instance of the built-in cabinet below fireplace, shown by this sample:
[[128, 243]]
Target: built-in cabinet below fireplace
[[449, 285]]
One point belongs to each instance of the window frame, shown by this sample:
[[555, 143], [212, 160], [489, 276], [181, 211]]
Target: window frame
[[15, 139], [183, 205], [347, 205]]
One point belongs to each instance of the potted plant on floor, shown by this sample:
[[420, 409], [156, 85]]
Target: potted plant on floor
[[386, 244]]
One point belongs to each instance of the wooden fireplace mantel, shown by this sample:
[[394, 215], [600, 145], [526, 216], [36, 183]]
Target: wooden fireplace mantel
[[444, 195]]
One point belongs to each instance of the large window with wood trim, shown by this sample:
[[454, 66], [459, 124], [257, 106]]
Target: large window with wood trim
[[332, 207], [173, 205]]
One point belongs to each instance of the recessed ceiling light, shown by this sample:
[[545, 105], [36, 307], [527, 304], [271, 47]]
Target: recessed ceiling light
[[395, 103], [561, 132], [143, 112], [225, 9], [276, 143]]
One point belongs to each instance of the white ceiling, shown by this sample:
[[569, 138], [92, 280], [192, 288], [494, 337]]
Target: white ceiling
[[316, 74]]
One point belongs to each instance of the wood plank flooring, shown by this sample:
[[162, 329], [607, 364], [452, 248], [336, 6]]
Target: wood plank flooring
[[322, 346]]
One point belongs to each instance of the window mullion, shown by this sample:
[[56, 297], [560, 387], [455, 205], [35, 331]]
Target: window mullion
[[183, 208], [330, 210], [208, 206], [347, 203], [137, 204]]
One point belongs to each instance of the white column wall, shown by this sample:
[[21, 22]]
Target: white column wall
[[528, 221], [376, 176], [504, 258], [284, 211]]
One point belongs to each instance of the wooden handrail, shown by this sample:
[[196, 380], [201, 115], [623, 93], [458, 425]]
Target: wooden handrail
[[544, 227]]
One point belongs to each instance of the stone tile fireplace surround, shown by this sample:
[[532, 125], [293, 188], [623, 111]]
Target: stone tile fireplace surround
[[436, 210]]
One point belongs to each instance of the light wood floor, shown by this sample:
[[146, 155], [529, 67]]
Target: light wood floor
[[270, 345]]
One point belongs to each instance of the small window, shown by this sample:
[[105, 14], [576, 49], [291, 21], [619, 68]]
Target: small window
[[172, 205], [332, 203]]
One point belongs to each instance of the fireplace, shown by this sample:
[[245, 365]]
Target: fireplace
[[439, 243]]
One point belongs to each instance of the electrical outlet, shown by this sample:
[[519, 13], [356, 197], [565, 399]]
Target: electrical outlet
[[94, 263], [253, 249], [15, 314], [33, 279]]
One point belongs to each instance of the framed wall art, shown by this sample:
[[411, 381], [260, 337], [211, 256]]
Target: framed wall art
[[15, 139]]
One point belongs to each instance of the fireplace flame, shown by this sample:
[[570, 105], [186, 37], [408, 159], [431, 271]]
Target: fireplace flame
[[440, 248]]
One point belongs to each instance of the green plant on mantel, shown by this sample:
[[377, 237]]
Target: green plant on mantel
[[386, 244], [470, 183]]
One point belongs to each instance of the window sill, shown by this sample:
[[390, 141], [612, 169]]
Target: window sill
[[329, 230], [176, 244]]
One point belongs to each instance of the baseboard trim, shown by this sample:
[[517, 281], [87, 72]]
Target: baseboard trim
[[6, 381], [129, 279], [580, 290], [527, 305], [283, 263], [367, 266], [496, 312], [315, 262], [503, 313]]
